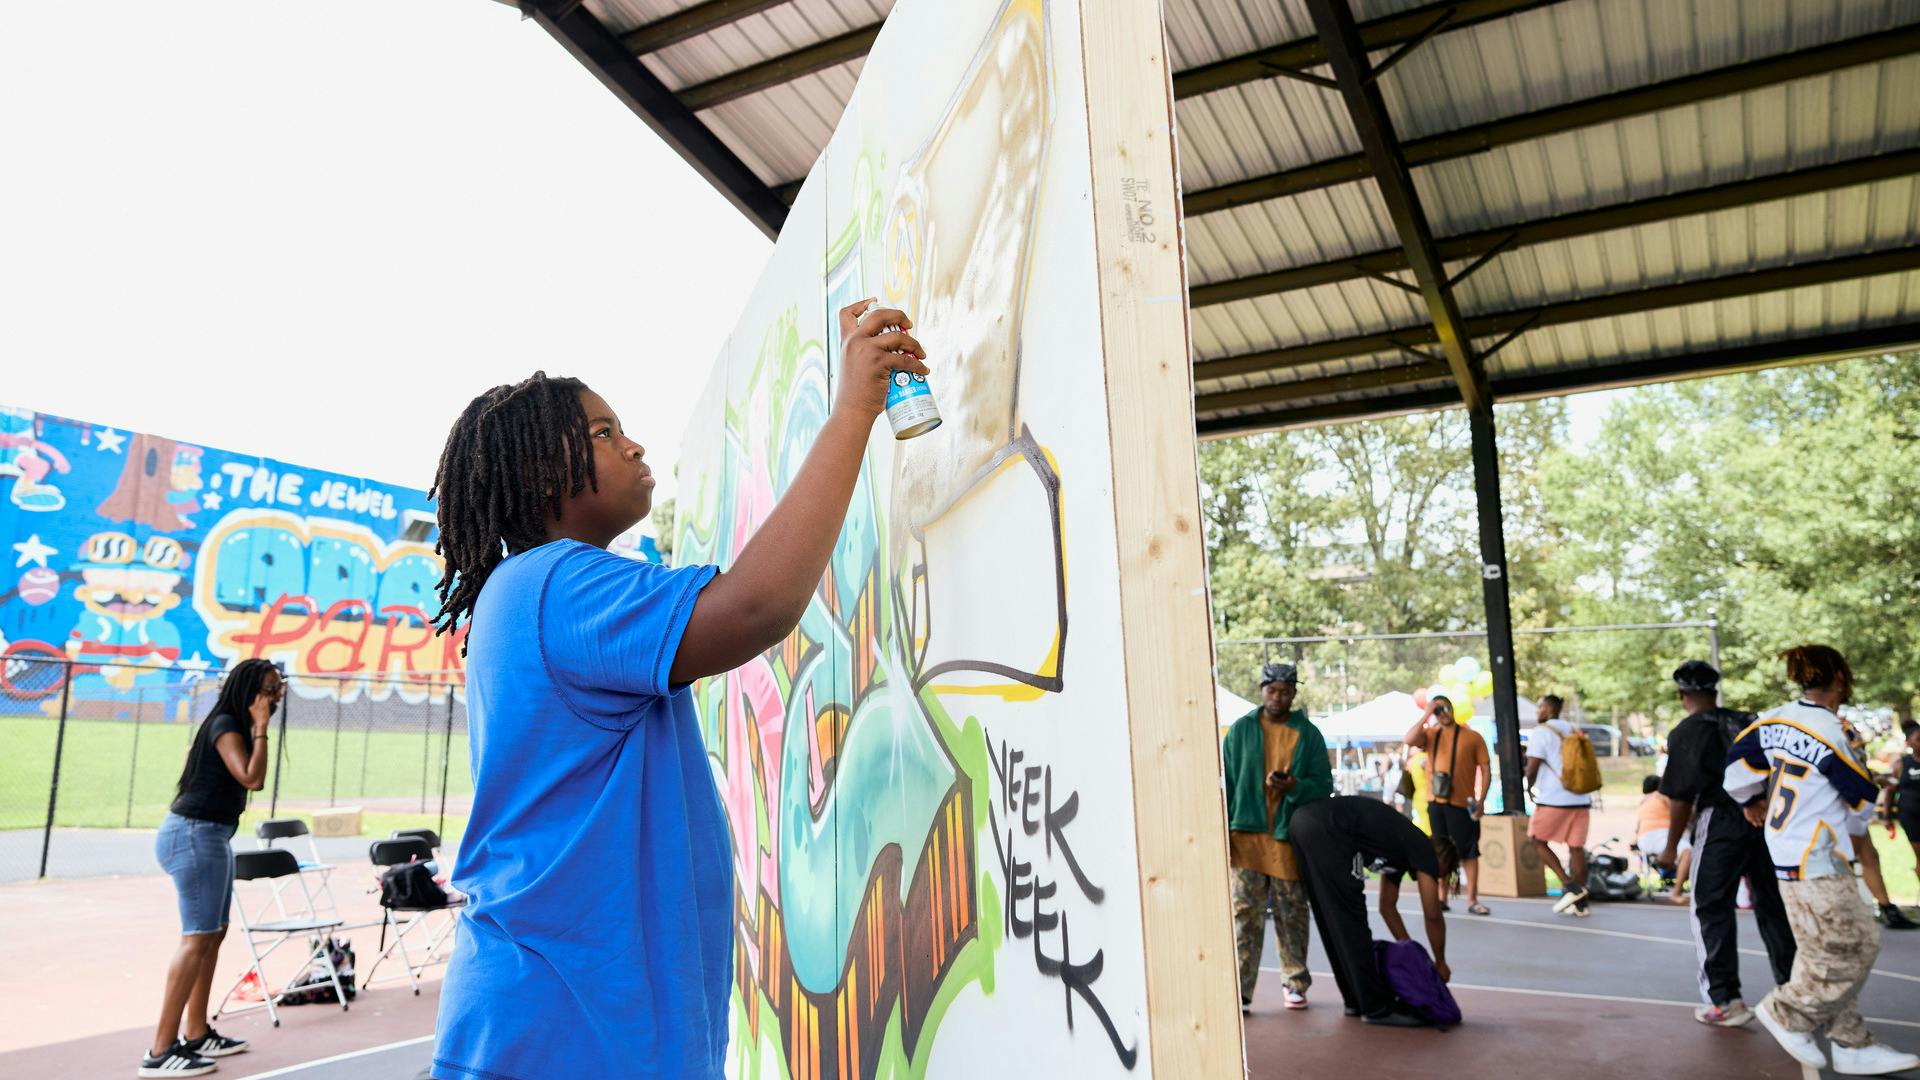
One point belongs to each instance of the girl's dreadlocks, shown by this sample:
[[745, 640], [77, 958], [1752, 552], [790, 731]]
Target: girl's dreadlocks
[[515, 455]]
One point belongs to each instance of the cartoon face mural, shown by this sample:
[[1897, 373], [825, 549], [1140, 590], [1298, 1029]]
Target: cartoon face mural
[[911, 777], [149, 562]]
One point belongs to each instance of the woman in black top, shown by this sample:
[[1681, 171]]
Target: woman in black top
[[228, 758], [1904, 799]]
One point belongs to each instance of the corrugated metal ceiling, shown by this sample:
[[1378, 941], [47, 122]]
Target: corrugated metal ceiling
[[768, 80]]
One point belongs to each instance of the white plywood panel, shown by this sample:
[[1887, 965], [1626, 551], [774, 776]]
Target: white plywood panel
[[935, 763]]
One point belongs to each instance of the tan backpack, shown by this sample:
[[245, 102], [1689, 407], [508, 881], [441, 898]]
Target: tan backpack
[[1579, 767]]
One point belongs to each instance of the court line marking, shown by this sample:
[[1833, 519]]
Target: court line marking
[[1594, 997], [349, 1056], [1496, 919]]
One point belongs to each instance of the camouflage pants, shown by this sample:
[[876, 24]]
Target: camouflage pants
[[1838, 943], [1254, 894]]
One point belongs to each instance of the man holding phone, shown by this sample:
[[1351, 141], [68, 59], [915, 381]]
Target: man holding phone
[[1460, 774], [1276, 761]]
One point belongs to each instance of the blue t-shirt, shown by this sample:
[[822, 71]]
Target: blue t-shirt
[[597, 937]]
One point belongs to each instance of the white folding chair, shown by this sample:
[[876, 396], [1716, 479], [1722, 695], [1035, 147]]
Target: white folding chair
[[435, 934], [320, 900], [273, 865]]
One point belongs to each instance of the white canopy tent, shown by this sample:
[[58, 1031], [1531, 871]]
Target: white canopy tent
[[1231, 707], [1387, 718]]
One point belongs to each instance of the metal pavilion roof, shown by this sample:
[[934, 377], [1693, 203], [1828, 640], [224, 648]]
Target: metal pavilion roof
[[1395, 205]]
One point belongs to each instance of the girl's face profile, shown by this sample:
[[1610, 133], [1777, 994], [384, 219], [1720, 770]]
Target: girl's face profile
[[622, 477]]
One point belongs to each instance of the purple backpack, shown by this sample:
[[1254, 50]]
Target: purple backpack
[[1413, 978]]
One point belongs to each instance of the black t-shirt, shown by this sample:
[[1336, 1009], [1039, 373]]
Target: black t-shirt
[[1697, 758], [1907, 787], [1385, 840], [212, 794]]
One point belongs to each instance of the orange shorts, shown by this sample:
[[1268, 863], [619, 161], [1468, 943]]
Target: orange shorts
[[1560, 825]]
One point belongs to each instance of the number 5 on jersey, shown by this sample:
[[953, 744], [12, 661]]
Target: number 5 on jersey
[[1778, 790]]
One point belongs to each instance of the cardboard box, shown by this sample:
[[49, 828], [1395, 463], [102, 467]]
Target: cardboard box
[[1509, 865], [338, 821]]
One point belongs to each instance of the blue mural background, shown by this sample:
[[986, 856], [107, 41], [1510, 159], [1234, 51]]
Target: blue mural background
[[149, 562]]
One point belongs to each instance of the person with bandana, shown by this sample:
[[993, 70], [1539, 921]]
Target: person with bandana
[[1725, 848], [1276, 761]]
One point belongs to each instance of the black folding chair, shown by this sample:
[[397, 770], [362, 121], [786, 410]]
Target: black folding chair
[[405, 920], [271, 866], [319, 900], [432, 838]]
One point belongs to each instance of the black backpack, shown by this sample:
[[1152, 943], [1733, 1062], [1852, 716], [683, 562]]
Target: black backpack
[[1732, 723], [410, 887]]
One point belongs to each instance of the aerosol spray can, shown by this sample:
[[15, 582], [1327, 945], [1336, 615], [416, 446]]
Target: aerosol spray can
[[910, 407]]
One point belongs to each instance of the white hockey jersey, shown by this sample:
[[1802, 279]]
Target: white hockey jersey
[[1817, 795]]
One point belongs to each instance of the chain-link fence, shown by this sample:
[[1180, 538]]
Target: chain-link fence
[[1610, 675], [85, 747], [1366, 690]]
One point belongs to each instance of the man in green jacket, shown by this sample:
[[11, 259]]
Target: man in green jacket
[[1276, 761]]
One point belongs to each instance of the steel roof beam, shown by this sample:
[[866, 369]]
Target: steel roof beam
[[782, 69], [1711, 361], [1602, 219], [1630, 302], [1326, 385], [1685, 90], [1347, 55], [1288, 60], [691, 23], [1383, 33], [600, 52]]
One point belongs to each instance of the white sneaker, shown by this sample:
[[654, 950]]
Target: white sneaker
[[1873, 1059], [1799, 1045], [1293, 999]]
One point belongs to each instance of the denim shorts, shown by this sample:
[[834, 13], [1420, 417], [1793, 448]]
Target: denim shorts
[[198, 856]]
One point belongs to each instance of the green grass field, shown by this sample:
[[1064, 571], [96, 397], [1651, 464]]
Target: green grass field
[[389, 770]]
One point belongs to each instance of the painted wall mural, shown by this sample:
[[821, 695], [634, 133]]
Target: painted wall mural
[[930, 802], [150, 563]]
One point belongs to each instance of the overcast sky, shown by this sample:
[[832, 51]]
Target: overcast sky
[[315, 231]]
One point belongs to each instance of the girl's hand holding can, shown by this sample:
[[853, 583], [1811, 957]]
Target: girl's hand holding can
[[874, 343]]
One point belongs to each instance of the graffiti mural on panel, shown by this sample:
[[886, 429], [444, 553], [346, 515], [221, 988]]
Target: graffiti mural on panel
[[907, 777], [150, 562]]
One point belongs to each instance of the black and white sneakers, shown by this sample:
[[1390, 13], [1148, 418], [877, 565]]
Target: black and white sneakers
[[213, 1045], [176, 1061]]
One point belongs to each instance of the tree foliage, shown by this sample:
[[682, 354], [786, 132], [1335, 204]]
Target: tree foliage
[[1788, 501]]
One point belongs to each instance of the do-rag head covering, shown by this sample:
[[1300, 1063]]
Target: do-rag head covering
[[1696, 677]]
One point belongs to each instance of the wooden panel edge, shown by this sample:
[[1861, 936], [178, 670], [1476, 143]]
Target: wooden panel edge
[[1179, 806]]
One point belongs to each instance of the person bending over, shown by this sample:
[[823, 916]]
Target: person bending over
[[227, 759], [597, 937], [1335, 838]]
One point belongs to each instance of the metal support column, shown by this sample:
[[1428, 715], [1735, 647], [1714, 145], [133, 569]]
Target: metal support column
[[1493, 580], [279, 753], [59, 750]]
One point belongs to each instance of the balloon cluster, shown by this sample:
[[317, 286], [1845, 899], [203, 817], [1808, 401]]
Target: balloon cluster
[[1460, 682]]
